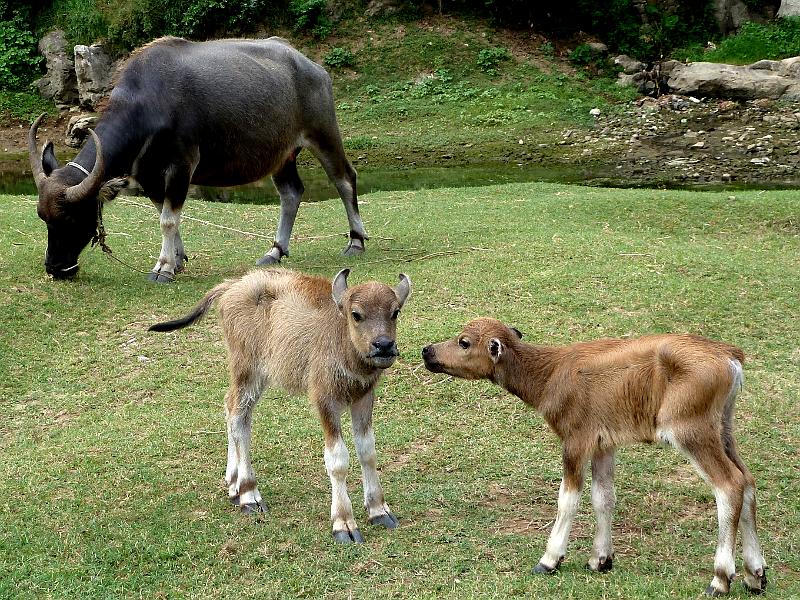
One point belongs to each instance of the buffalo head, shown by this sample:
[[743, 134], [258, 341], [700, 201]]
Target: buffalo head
[[68, 203]]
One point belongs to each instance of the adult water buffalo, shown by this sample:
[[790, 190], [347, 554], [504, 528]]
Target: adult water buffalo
[[220, 113]]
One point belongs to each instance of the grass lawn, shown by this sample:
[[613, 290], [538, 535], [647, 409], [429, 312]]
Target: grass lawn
[[112, 439]]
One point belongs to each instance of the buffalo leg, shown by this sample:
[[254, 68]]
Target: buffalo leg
[[290, 189], [364, 436], [337, 461], [240, 478], [180, 253], [329, 151]]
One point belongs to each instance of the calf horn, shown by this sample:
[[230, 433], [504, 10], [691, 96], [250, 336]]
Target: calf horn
[[33, 154], [89, 186]]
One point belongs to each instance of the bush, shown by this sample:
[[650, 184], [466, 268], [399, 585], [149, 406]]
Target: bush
[[339, 58], [311, 15], [490, 58], [754, 41], [19, 59]]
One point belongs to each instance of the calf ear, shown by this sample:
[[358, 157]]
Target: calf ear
[[517, 332], [339, 286], [110, 189], [495, 347], [403, 289], [49, 162]]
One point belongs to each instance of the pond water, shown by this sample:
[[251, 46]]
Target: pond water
[[14, 180]]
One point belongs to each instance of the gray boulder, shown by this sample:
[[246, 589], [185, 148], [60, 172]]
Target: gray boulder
[[764, 79], [78, 129], [629, 65], [730, 14], [789, 8], [94, 70], [59, 84], [384, 8]]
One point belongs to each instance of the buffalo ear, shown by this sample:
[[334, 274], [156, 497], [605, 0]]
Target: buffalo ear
[[49, 162], [112, 187], [339, 286], [517, 332], [495, 348]]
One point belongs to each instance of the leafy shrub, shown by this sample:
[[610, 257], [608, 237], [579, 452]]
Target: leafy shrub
[[754, 41], [490, 58], [311, 15], [19, 60], [339, 58]]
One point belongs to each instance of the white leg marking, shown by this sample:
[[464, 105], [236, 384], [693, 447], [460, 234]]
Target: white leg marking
[[364, 438], [603, 501], [240, 427], [170, 236], [723, 558], [568, 502], [337, 461]]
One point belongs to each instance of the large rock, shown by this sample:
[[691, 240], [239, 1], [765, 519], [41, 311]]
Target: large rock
[[59, 84], [764, 79], [789, 8], [94, 69], [730, 15], [384, 8], [78, 129], [629, 65]]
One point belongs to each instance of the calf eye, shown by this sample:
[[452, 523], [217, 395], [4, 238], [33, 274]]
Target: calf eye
[[357, 316], [395, 314], [464, 343]]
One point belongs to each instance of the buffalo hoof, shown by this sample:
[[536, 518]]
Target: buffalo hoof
[[542, 569], [388, 520], [267, 261], [348, 537], [180, 265], [161, 277], [603, 566], [760, 580], [253, 508], [354, 248]]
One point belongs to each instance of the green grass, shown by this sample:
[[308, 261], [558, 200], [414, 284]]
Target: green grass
[[23, 106], [753, 42], [112, 439]]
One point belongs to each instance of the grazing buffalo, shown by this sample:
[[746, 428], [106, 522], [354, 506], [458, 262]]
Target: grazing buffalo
[[218, 113]]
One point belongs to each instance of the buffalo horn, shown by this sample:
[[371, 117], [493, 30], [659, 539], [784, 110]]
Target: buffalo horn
[[33, 154], [89, 186]]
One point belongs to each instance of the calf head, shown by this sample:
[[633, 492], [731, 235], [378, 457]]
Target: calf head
[[68, 203], [475, 352], [371, 310]]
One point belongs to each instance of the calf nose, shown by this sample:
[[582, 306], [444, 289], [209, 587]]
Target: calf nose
[[427, 351], [384, 345]]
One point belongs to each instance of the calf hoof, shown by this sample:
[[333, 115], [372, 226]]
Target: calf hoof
[[234, 500], [161, 277], [348, 537], [714, 592], [252, 508], [604, 564], [388, 520], [268, 260], [755, 584], [542, 569]]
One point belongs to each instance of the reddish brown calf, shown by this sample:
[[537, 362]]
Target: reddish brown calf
[[672, 389]]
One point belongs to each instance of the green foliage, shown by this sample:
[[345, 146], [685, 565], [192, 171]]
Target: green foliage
[[339, 58], [126, 25], [754, 41], [583, 54], [311, 16], [22, 106], [490, 58], [19, 59]]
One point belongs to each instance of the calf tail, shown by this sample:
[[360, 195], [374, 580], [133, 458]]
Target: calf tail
[[198, 312]]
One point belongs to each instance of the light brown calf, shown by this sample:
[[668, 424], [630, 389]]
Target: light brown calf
[[672, 389], [307, 336]]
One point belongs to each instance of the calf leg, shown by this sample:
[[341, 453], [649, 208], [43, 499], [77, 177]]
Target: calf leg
[[709, 458], [603, 500], [364, 436], [328, 149], [569, 496], [240, 477], [290, 189], [337, 461]]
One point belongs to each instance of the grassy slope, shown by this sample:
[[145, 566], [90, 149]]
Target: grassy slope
[[112, 439]]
